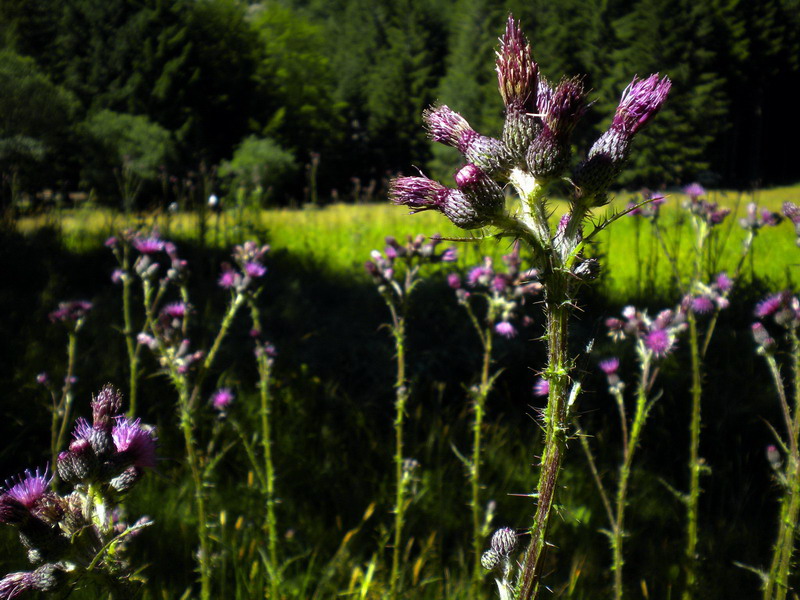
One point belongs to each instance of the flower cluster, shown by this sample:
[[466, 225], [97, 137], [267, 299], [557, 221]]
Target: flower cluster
[[148, 246], [503, 291], [705, 298], [704, 210], [72, 313], [781, 309], [499, 554], [416, 251], [792, 212], [249, 266], [79, 534], [756, 218], [654, 337], [540, 118]]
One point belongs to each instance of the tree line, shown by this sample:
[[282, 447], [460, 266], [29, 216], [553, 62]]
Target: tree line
[[299, 98]]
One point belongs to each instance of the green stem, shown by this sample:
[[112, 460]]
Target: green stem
[[475, 465], [618, 530], [555, 423], [401, 397], [128, 333], [695, 466], [65, 404], [271, 525]]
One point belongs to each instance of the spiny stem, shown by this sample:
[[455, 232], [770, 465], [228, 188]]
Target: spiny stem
[[401, 397], [695, 467], [557, 311]]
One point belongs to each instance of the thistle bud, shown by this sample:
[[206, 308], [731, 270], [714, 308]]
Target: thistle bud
[[448, 127], [47, 578], [105, 406], [549, 153], [587, 270], [640, 102], [486, 195], [504, 541], [774, 457], [517, 78], [126, 480], [490, 559]]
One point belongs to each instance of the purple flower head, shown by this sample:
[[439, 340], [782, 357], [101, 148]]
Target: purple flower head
[[454, 281], [562, 109], [609, 366], [255, 269], [148, 245], [640, 102], [505, 329], [29, 487], [702, 305], [541, 387], [723, 282], [174, 310], [694, 191], [42, 378], [770, 305], [111, 242], [227, 278], [517, 73], [222, 398], [71, 311], [418, 193], [769, 218], [480, 275], [659, 342], [83, 430], [15, 585], [135, 441], [500, 283], [792, 212]]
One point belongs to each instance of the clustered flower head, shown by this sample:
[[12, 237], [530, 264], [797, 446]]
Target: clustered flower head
[[704, 298], [63, 534], [505, 292], [654, 337], [249, 266], [756, 218], [792, 212], [72, 312], [704, 210], [414, 253], [782, 310], [540, 117]]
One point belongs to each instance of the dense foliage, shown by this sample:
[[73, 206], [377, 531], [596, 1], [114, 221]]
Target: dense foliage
[[347, 81]]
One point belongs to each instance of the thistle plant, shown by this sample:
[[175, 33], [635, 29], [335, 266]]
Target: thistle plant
[[166, 333], [782, 311], [533, 156], [71, 315], [654, 339], [705, 299], [502, 295], [78, 538], [396, 285]]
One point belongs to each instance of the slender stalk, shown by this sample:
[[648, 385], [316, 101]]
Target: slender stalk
[[401, 398], [475, 465], [130, 338], [618, 528], [695, 466], [65, 404], [271, 524], [555, 421]]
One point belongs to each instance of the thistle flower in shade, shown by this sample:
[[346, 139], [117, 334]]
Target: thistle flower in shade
[[549, 152], [135, 442], [227, 278], [222, 398], [701, 305], [174, 310], [446, 126], [609, 366], [29, 488], [71, 312], [255, 269], [518, 80], [541, 387], [505, 329], [148, 245], [454, 281], [762, 337], [659, 342], [770, 305], [640, 102]]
